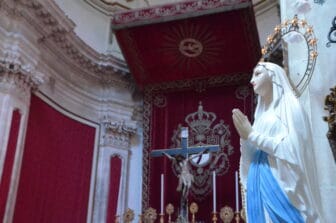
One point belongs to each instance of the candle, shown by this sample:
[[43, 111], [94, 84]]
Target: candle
[[236, 186], [162, 181], [214, 190]]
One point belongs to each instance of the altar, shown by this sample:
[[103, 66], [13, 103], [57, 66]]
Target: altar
[[192, 61]]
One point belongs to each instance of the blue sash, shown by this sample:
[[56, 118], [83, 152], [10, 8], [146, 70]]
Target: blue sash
[[264, 193]]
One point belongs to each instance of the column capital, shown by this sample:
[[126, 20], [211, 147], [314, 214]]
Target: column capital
[[117, 133], [19, 80]]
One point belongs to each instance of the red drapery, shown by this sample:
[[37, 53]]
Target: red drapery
[[9, 161], [115, 173], [166, 106], [56, 168], [154, 56]]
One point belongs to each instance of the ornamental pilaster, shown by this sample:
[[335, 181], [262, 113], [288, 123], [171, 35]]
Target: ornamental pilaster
[[115, 141], [19, 76], [117, 133], [19, 60], [19, 81]]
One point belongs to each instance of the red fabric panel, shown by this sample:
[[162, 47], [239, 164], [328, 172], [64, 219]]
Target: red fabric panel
[[56, 168], [115, 173], [153, 51], [9, 160], [178, 104]]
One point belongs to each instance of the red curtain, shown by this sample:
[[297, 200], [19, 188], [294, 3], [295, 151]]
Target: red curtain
[[56, 168], [115, 173], [166, 108], [9, 161]]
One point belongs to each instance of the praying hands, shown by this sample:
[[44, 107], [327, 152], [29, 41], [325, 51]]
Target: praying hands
[[241, 123]]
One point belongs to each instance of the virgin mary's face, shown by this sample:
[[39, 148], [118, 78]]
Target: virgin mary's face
[[261, 81]]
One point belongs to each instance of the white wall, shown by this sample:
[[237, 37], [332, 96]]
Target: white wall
[[91, 25], [324, 77], [267, 17]]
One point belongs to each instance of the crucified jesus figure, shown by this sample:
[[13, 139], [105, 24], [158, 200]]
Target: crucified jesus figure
[[185, 177]]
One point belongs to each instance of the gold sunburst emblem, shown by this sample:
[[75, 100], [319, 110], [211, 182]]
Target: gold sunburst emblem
[[189, 44]]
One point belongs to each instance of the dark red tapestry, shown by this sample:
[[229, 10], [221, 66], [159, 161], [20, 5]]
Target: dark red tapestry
[[54, 183], [209, 45], [179, 105], [183, 55]]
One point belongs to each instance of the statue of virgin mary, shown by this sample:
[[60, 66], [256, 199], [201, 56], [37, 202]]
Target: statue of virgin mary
[[277, 165]]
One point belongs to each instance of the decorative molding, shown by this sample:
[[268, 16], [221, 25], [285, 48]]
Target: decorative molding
[[20, 76], [117, 133], [175, 11], [18, 65], [19, 80], [200, 84], [57, 34]]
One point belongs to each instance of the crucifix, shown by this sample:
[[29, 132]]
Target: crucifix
[[185, 177]]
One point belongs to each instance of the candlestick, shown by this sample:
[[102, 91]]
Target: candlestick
[[237, 218], [162, 181], [214, 217], [214, 190], [140, 218], [116, 220], [161, 218], [236, 186]]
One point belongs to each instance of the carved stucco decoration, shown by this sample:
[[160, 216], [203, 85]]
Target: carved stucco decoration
[[19, 77], [330, 106], [117, 133], [57, 34]]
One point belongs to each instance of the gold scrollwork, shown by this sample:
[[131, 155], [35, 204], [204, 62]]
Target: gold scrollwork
[[330, 106]]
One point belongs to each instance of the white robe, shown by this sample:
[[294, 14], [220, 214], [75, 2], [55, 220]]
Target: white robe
[[283, 132]]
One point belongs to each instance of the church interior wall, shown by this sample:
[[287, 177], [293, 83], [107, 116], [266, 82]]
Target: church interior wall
[[91, 26], [320, 16], [267, 17], [69, 86], [66, 86]]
